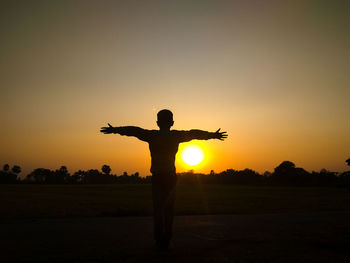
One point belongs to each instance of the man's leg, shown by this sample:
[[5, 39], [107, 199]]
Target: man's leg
[[157, 212], [169, 211], [169, 216]]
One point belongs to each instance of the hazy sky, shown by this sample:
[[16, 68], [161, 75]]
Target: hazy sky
[[274, 74]]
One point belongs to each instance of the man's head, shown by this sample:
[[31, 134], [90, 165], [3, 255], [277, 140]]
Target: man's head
[[165, 119]]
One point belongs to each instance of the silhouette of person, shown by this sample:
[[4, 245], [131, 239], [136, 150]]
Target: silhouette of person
[[163, 145]]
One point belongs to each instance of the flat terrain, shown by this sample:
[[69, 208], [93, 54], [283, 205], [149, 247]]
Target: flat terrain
[[60, 201], [291, 237], [215, 223]]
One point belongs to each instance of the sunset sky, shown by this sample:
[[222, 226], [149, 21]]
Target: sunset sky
[[274, 74]]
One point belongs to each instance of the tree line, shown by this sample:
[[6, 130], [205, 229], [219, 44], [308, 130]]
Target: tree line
[[284, 174], [62, 176]]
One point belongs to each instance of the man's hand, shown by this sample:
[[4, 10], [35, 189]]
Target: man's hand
[[108, 130], [220, 135]]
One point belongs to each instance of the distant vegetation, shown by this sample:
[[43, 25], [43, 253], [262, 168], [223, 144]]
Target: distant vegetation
[[285, 174]]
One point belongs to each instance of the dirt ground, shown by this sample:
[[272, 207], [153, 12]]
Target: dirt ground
[[289, 237]]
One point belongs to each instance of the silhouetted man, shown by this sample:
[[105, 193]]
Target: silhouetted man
[[163, 145]]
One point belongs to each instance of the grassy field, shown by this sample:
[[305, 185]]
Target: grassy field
[[46, 201]]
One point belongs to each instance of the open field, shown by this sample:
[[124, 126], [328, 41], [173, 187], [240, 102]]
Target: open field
[[59, 201], [96, 223], [288, 237]]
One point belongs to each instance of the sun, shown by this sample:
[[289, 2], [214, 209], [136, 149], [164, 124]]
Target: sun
[[192, 155]]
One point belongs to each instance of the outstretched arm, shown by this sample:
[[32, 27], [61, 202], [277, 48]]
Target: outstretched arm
[[137, 132], [186, 136]]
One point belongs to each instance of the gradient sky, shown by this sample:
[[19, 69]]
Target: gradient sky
[[274, 74]]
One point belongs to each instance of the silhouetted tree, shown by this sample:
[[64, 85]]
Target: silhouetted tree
[[267, 173], [40, 175], [246, 176], [61, 175], [327, 178], [77, 177], [6, 168], [345, 177], [106, 169], [16, 169], [285, 167], [63, 169], [287, 174], [91, 176], [8, 176]]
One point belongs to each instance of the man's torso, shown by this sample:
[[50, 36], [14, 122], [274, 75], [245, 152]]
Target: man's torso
[[163, 146]]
